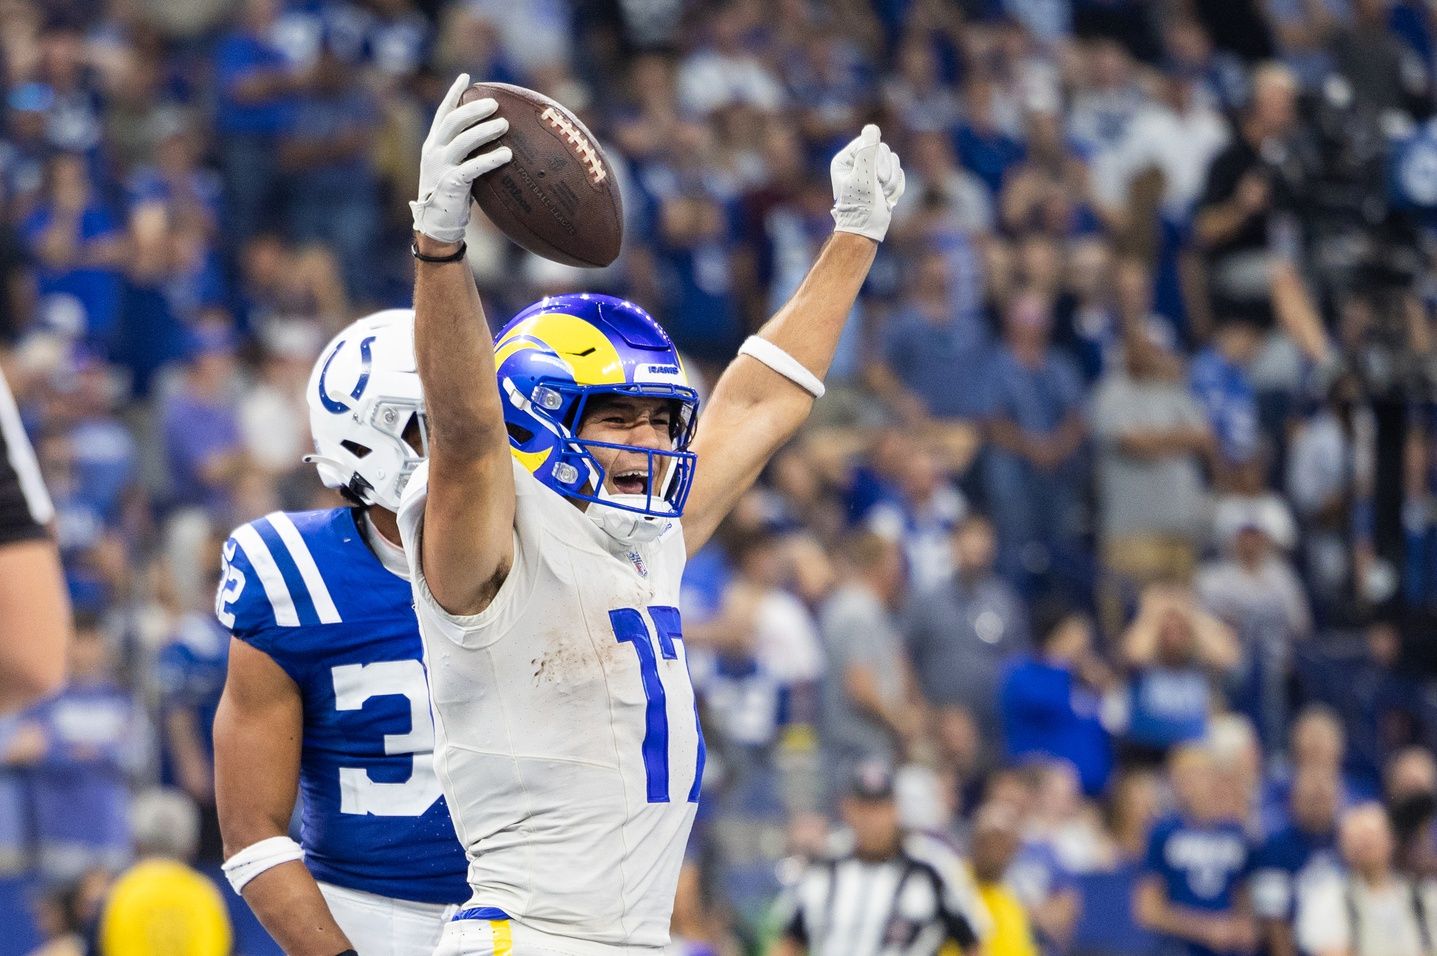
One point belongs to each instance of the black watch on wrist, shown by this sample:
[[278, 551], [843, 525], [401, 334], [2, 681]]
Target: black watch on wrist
[[454, 256]]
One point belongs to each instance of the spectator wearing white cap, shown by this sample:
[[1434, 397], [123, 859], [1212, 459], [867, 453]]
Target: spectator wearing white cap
[[1256, 591]]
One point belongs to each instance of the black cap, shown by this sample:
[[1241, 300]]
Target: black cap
[[871, 780]]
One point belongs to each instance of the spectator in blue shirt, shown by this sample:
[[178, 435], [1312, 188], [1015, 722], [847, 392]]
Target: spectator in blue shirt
[[1191, 893], [256, 86], [326, 154], [92, 552], [1036, 426], [80, 748], [1300, 853], [1107, 925], [175, 178], [174, 270], [935, 350], [190, 673], [921, 518], [25, 147], [78, 246], [982, 145], [692, 217], [1317, 741], [73, 119], [1381, 703], [1174, 653], [1220, 380], [1049, 701], [201, 428]]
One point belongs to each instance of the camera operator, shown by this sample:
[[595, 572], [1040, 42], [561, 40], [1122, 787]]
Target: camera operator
[[1251, 240], [1385, 73]]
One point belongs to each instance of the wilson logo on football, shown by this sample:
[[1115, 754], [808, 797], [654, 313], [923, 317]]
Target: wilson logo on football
[[588, 155]]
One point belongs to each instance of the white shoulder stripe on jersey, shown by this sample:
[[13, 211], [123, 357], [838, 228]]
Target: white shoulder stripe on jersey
[[299, 551], [22, 458], [269, 575]]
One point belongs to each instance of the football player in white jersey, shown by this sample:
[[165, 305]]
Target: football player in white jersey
[[546, 550]]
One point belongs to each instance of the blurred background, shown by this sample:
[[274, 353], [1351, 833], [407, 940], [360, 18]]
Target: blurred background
[[1118, 515]]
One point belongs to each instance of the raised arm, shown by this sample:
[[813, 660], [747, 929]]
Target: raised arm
[[467, 543], [767, 391], [258, 730]]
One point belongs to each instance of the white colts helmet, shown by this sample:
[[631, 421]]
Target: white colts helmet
[[363, 396]]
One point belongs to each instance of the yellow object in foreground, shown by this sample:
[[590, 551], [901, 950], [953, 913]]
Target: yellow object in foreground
[[161, 907], [1011, 934]]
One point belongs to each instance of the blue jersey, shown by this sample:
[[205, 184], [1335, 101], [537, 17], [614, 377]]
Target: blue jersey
[[1289, 860], [1168, 705], [305, 589], [190, 675], [1201, 866]]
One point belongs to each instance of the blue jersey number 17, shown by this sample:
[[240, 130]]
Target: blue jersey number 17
[[630, 628]]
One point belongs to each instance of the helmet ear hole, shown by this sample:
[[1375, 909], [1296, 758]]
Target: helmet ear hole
[[355, 448], [519, 433]]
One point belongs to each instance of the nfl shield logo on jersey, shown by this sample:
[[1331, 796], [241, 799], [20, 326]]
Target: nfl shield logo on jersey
[[639, 565]]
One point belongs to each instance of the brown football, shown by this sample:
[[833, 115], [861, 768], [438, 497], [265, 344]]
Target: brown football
[[557, 197]]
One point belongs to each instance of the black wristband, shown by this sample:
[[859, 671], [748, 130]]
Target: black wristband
[[347, 952], [454, 256]]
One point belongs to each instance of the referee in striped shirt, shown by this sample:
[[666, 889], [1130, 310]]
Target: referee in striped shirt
[[35, 624], [885, 893]]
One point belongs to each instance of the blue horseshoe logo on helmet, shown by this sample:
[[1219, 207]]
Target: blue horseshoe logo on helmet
[[366, 360]]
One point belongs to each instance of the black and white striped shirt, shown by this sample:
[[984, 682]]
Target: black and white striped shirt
[[25, 505], [908, 905]]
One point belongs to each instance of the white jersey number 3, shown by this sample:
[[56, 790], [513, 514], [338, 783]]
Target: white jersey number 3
[[358, 793]]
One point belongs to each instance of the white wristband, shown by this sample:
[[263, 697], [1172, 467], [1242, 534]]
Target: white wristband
[[763, 350], [258, 857]]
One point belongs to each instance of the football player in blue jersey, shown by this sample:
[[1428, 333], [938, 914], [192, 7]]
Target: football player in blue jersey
[[326, 693]]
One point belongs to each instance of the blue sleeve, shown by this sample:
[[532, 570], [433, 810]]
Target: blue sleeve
[[234, 58], [1153, 862], [240, 602], [144, 187], [1070, 382], [210, 288], [98, 223], [896, 345], [1200, 376], [1266, 855], [1032, 694], [34, 224], [172, 677], [1250, 858], [647, 202], [186, 446], [243, 607], [734, 221], [995, 390]]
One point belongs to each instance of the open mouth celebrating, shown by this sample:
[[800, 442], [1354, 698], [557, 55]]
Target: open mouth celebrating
[[633, 482]]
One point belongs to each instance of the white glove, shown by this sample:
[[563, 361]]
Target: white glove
[[867, 181], [445, 175]]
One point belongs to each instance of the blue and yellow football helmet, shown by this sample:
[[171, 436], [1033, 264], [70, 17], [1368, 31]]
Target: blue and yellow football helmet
[[554, 358]]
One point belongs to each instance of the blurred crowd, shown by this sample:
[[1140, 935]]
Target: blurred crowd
[[1114, 539]]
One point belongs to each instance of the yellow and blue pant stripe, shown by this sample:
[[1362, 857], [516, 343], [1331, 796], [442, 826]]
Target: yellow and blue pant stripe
[[498, 922]]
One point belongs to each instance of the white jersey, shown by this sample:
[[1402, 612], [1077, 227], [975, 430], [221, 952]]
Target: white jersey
[[566, 737]]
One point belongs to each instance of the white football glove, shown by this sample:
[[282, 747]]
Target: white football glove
[[867, 181], [445, 174]]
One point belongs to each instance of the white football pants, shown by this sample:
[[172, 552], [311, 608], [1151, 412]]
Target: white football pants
[[380, 926], [503, 937]]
